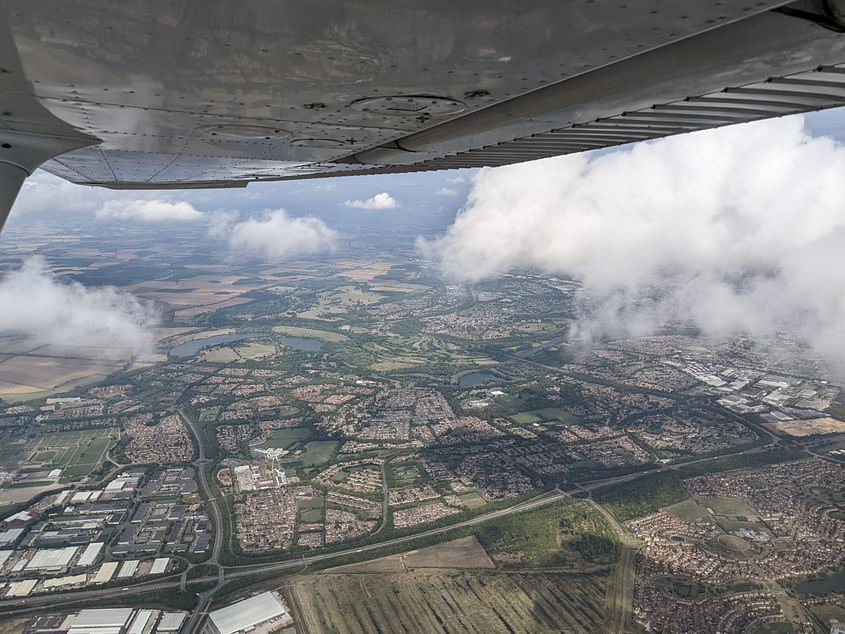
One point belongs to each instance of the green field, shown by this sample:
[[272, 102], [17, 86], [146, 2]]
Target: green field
[[643, 496], [569, 533], [284, 438], [472, 500], [726, 506], [322, 335], [545, 415], [77, 453], [318, 452], [526, 418], [690, 511], [776, 627], [451, 602]]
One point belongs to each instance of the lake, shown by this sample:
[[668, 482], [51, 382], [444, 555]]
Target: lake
[[477, 378], [190, 348], [817, 586]]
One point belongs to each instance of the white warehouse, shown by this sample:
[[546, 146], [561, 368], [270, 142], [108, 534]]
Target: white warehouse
[[243, 616]]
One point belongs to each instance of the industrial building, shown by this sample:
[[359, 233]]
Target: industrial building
[[52, 560], [101, 621], [90, 555], [247, 615]]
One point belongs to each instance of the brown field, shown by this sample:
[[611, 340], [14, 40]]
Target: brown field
[[13, 625], [17, 495], [390, 286], [34, 375], [392, 563], [465, 552], [364, 272], [163, 333], [808, 427], [204, 334], [197, 294], [456, 601], [193, 311]]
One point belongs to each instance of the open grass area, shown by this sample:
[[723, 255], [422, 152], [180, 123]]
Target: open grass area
[[451, 602], [690, 511], [643, 496], [706, 508], [318, 452], [312, 333], [472, 500], [77, 453], [284, 438], [826, 612], [219, 355], [726, 506], [545, 415], [775, 627], [252, 350], [569, 533]]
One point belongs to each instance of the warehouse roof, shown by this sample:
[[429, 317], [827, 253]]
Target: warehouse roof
[[247, 613]]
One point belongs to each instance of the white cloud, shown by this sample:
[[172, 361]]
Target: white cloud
[[149, 211], [456, 180], [44, 193], [446, 191], [40, 306], [276, 236], [379, 201], [738, 230]]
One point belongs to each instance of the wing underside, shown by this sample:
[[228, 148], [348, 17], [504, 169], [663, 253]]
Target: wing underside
[[193, 94]]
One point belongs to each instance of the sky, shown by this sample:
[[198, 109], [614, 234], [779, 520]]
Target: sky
[[734, 230]]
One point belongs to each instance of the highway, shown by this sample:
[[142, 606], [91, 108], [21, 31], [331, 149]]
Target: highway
[[205, 597], [228, 573], [12, 606]]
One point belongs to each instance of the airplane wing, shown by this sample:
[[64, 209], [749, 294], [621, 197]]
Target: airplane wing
[[189, 93]]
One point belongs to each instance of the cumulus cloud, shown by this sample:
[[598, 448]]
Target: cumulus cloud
[[736, 230], [50, 311], [456, 180], [379, 201], [446, 191], [149, 211], [276, 236]]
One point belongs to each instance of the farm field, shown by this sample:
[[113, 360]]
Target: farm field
[[464, 552], [444, 601], [42, 375]]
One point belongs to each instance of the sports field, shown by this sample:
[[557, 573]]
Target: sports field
[[77, 453]]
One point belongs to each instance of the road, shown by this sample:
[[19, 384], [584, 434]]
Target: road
[[200, 463], [9, 607], [226, 573], [624, 569]]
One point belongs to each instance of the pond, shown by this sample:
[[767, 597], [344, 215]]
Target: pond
[[477, 378], [818, 586]]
